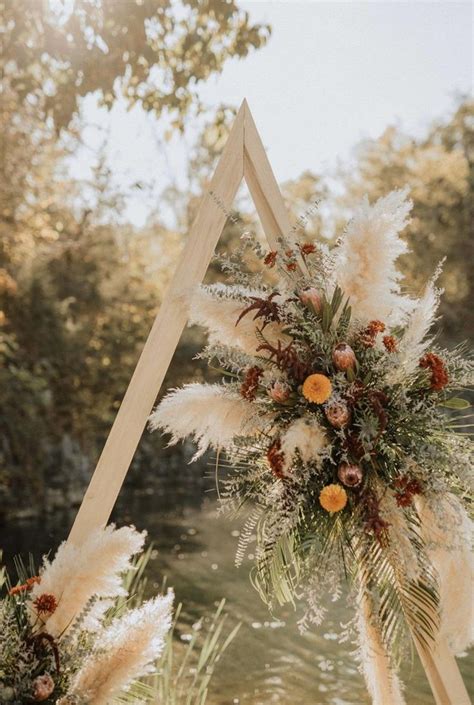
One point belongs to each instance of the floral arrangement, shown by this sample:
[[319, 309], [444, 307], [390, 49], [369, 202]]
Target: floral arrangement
[[68, 636], [336, 414]]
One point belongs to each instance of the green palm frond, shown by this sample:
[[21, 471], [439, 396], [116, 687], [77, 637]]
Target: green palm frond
[[401, 602], [278, 571]]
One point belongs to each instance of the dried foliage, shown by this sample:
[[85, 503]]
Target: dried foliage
[[357, 433]]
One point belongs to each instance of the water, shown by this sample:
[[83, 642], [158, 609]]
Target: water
[[269, 662]]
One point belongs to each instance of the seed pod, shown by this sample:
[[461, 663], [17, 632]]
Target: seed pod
[[313, 297], [343, 357], [43, 686]]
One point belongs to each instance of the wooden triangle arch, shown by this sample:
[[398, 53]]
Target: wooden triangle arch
[[243, 157]]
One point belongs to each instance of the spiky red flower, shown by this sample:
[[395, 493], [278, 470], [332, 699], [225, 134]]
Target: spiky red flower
[[249, 386], [291, 266], [439, 374], [307, 248], [45, 603]]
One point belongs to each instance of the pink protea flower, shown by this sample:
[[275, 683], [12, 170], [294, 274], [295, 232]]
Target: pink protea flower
[[313, 297], [279, 392], [343, 357], [350, 475], [338, 413]]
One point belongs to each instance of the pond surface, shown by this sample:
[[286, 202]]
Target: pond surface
[[270, 662]]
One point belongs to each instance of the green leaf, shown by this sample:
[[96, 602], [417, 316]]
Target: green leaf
[[455, 403]]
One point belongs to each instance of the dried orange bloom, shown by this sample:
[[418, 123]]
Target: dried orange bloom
[[26, 586], [333, 498], [317, 388]]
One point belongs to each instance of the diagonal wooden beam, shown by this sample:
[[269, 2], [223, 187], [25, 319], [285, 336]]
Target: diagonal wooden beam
[[163, 339], [262, 184], [264, 188]]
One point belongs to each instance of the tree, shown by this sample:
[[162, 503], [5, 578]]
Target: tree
[[155, 52], [439, 171]]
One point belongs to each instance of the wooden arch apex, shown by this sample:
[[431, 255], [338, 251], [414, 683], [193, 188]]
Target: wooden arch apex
[[244, 157]]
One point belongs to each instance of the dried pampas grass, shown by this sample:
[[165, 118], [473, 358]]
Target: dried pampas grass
[[448, 534], [308, 438], [414, 341], [382, 682], [78, 573], [217, 309], [211, 413], [128, 649], [365, 260]]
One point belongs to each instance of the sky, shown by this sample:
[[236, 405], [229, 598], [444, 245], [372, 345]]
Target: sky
[[332, 74]]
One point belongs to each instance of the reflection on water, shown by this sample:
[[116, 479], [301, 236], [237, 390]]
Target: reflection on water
[[269, 662]]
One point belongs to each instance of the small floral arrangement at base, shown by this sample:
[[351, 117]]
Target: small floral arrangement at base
[[67, 636], [336, 416]]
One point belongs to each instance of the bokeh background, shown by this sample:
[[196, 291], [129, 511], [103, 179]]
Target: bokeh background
[[113, 115]]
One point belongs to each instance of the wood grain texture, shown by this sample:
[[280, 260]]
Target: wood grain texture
[[443, 674], [243, 156]]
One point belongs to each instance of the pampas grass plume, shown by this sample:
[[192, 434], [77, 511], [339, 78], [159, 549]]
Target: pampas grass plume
[[78, 573], [211, 413], [128, 649], [365, 260], [305, 436], [217, 309]]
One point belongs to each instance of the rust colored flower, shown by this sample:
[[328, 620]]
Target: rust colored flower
[[333, 498], [43, 686], [26, 586], [267, 309], [373, 521], [249, 386], [307, 248], [317, 388], [343, 357], [45, 603], [270, 259], [370, 333], [276, 459], [291, 266], [390, 343], [406, 488], [439, 374]]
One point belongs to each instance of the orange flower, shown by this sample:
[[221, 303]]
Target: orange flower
[[26, 586], [333, 498], [317, 388], [390, 343]]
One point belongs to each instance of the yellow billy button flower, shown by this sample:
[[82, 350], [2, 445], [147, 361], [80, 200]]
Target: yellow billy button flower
[[317, 388], [333, 498]]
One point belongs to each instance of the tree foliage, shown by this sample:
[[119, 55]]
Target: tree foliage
[[439, 171], [155, 52]]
